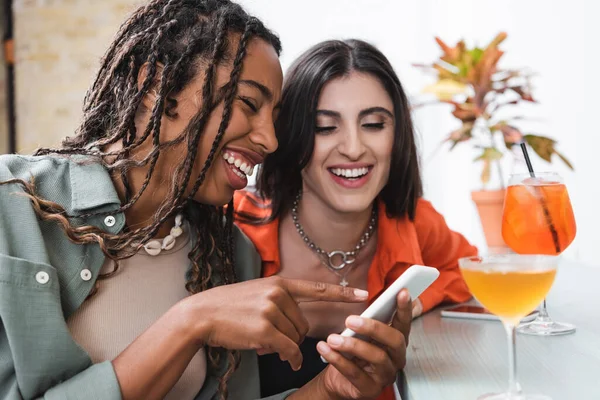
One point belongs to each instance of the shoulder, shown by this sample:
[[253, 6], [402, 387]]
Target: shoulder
[[52, 176], [43, 175], [428, 220], [433, 232], [425, 210], [26, 167]]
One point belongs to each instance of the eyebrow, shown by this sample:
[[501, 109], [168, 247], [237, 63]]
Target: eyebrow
[[262, 88], [372, 110], [366, 111], [329, 113]]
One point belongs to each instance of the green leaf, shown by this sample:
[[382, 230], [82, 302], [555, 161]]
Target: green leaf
[[543, 146], [489, 154]]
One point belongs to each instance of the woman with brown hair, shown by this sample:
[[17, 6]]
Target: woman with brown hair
[[340, 201]]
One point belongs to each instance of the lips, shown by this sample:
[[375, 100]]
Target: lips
[[350, 172], [351, 176], [253, 157]]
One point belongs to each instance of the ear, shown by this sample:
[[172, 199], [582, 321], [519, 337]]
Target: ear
[[150, 97]]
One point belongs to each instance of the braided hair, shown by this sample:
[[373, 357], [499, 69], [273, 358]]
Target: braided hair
[[172, 40]]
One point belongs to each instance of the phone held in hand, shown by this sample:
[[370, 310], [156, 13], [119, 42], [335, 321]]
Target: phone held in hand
[[415, 279], [464, 311]]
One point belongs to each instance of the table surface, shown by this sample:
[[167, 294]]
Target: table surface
[[461, 359]]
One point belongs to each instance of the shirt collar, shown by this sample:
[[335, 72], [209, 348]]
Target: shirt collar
[[397, 240], [91, 186]]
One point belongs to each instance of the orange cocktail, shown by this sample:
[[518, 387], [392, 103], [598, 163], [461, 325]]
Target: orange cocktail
[[538, 217], [509, 293], [510, 286]]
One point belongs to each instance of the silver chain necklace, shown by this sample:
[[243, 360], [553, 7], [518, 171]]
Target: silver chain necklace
[[347, 258]]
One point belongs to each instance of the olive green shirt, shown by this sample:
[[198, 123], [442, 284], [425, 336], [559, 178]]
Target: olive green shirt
[[44, 278]]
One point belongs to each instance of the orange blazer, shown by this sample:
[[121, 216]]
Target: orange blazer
[[400, 243]]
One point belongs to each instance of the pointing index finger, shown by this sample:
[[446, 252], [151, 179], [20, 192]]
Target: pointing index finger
[[309, 291]]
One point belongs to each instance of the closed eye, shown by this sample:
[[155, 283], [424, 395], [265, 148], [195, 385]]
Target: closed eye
[[324, 129], [249, 103], [374, 126]]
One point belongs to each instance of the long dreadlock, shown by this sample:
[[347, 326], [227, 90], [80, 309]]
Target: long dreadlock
[[171, 39]]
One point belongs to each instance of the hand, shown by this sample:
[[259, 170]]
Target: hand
[[262, 314], [372, 366]]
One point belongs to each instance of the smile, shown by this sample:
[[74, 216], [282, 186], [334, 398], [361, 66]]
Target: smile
[[243, 166], [350, 173], [351, 176]]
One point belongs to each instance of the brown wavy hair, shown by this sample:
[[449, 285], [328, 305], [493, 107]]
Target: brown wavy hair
[[280, 177], [173, 39]]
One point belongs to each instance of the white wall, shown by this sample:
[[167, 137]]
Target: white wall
[[558, 40]]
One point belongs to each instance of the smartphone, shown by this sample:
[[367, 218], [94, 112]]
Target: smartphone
[[478, 312], [416, 279]]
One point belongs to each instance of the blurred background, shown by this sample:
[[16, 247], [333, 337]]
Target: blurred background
[[52, 48]]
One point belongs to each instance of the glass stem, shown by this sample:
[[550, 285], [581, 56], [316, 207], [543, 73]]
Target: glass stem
[[513, 385], [543, 313]]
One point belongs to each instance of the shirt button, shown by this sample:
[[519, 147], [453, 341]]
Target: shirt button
[[110, 221], [42, 277], [86, 274]]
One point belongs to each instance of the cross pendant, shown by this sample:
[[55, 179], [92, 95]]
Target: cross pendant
[[344, 282]]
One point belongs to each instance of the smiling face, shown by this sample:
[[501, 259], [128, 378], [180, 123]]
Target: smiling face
[[250, 135], [354, 136]]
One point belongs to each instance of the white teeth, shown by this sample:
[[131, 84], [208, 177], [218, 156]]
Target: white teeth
[[243, 167], [238, 173], [350, 173]]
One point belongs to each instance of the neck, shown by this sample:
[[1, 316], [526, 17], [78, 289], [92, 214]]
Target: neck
[[141, 213], [330, 229]]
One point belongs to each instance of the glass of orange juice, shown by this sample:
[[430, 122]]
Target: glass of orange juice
[[510, 286], [538, 219]]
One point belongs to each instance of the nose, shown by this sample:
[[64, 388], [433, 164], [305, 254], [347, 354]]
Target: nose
[[351, 144], [264, 136]]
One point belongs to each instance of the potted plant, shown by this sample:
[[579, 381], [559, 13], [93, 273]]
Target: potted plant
[[479, 92]]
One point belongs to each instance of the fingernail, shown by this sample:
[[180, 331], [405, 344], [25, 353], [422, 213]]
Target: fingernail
[[354, 321], [363, 294], [404, 296], [323, 348], [335, 340]]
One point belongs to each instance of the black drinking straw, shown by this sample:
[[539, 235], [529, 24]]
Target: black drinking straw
[[544, 206]]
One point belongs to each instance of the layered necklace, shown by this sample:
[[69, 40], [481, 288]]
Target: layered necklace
[[339, 262]]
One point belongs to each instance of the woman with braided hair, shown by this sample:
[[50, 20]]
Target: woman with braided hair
[[116, 249]]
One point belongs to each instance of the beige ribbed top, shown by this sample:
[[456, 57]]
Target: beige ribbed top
[[141, 291]]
